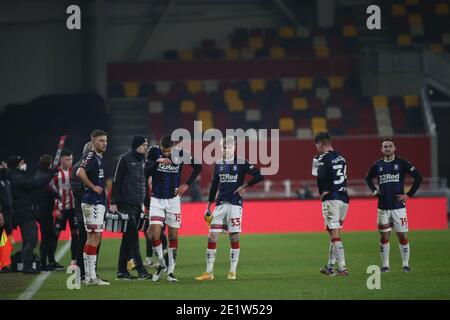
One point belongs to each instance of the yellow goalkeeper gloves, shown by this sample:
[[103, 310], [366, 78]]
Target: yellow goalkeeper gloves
[[208, 218]]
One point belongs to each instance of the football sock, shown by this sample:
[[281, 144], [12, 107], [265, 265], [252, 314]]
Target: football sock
[[404, 251], [157, 249], [90, 259], [384, 252], [234, 256], [173, 246], [331, 256], [340, 255], [210, 256]]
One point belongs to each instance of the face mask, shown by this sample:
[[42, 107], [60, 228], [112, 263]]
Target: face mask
[[23, 167]]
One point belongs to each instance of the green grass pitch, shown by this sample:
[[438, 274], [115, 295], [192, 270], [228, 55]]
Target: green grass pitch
[[271, 266]]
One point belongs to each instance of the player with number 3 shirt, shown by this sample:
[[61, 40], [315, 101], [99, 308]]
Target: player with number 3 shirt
[[330, 167], [390, 173]]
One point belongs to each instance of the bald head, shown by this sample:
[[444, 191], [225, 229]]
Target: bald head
[[87, 147]]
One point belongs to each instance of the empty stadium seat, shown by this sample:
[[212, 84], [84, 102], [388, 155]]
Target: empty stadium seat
[[155, 107], [334, 113], [235, 105], [286, 125], [336, 82], [232, 54], [304, 133], [404, 40], [398, 9], [299, 103], [210, 85], [442, 9], [256, 42], [437, 48], [206, 118], [322, 52], [277, 52], [131, 89], [247, 53], [252, 115], [304, 83], [319, 41], [286, 32], [323, 93], [318, 124], [411, 101], [257, 85], [303, 32], [186, 55], [288, 83], [379, 101], [349, 31], [187, 106], [231, 94], [162, 86], [194, 86]]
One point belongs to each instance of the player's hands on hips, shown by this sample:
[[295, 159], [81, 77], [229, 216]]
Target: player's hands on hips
[[113, 208], [402, 197], [181, 189], [164, 161], [376, 193], [324, 194], [97, 189], [241, 190]]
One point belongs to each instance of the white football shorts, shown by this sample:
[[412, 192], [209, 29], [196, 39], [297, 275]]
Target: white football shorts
[[166, 210]]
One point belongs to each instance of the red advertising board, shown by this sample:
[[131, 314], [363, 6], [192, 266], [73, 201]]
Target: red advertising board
[[281, 216]]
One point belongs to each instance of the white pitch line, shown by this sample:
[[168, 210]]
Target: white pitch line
[[39, 281]]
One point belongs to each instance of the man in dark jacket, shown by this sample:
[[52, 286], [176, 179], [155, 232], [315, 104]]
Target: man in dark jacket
[[22, 189], [5, 201], [44, 203], [128, 195]]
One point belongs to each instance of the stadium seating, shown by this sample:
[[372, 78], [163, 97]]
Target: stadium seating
[[271, 43], [413, 22], [420, 22], [298, 107]]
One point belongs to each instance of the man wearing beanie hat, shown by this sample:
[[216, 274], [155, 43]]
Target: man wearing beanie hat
[[23, 189], [128, 195]]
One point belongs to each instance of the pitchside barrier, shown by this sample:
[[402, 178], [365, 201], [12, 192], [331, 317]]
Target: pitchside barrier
[[283, 216]]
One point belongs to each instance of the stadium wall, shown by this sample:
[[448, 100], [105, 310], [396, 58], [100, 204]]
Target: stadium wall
[[232, 69]]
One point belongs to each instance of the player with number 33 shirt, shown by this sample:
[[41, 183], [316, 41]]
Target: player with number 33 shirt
[[229, 185]]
